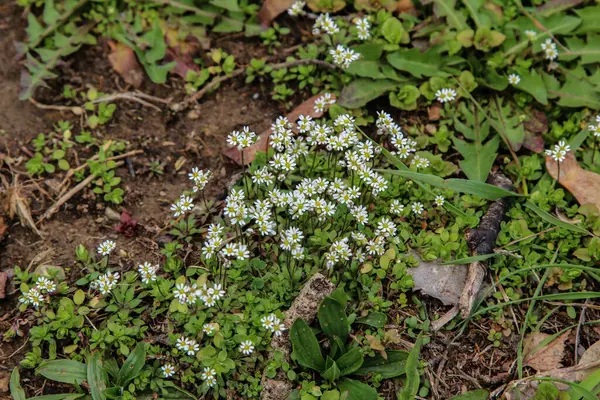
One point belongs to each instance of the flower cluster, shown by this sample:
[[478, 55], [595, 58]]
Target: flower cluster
[[550, 50], [187, 294], [147, 272], [209, 376], [362, 27], [445, 95], [200, 178], [297, 8], [35, 295], [343, 56], [183, 205], [241, 139], [559, 152], [325, 24], [322, 102], [188, 346], [273, 324], [106, 282]]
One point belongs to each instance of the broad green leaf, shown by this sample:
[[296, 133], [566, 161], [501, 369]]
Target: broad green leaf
[[481, 189], [16, 390], [555, 221], [578, 93], [79, 297], [508, 127], [306, 347], [350, 362], [413, 379], [360, 91], [96, 377], [158, 46], [369, 65], [133, 365], [231, 5], [589, 19], [390, 367], [532, 83], [34, 28], [453, 14], [479, 394], [406, 98], [375, 319], [332, 319], [50, 14], [589, 52], [416, 63], [473, 7], [333, 372], [65, 371], [355, 390], [392, 30], [229, 25]]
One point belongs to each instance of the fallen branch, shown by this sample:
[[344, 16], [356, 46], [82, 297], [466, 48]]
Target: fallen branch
[[185, 103], [481, 241], [70, 194], [133, 96]]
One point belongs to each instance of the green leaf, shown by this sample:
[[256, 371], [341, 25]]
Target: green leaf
[[473, 6], [231, 5], [332, 319], [589, 19], [589, 52], [413, 379], [390, 367], [532, 83], [510, 128], [555, 221], [350, 362], [452, 13], [306, 347], [369, 65], [96, 377], [332, 373], [63, 165], [79, 297], [356, 390], [578, 93], [392, 30], [229, 25], [360, 91], [133, 365], [375, 319], [416, 63], [16, 390], [65, 371], [479, 394], [158, 46], [50, 14], [406, 98]]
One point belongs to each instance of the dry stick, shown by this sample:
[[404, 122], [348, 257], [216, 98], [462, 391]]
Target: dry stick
[[481, 241], [185, 103], [71, 193], [75, 110], [127, 96]]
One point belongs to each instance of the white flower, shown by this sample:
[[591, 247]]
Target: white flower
[[420, 162], [595, 129], [563, 146], [246, 347], [343, 56], [531, 34], [445, 95], [177, 209], [200, 178], [105, 283], [385, 227], [550, 50], [168, 370], [278, 329], [514, 79], [439, 200], [45, 284], [324, 23], [242, 139], [32, 297], [148, 272], [363, 26], [209, 329], [417, 208], [106, 247], [181, 292], [396, 207], [297, 8], [322, 102], [208, 375]]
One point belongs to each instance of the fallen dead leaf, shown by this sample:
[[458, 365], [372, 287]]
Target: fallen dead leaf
[[591, 355], [271, 9], [405, 6], [375, 344], [434, 112], [262, 144], [538, 123], [4, 381], [392, 336], [547, 357], [123, 60], [444, 282], [583, 184], [16, 204]]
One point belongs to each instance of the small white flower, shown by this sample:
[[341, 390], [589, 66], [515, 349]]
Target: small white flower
[[45, 284], [445, 95], [396, 207], [246, 347], [531, 34], [208, 375], [362, 27], [106, 247], [324, 23], [417, 208], [209, 329], [297, 8], [147, 272], [514, 79], [439, 200], [168, 370]]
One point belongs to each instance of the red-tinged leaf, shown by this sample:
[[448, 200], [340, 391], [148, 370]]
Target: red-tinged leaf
[[533, 142], [123, 60], [262, 144], [271, 9], [126, 225], [183, 51]]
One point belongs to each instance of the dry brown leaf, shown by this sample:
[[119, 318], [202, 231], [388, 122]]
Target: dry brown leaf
[[3, 281], [591, 355], [547, 357], [405, 6], [123, 60], [434, 112], [375, 344], [582, 184], [262, 144], [392, 336], [271, 9], [4, 381]]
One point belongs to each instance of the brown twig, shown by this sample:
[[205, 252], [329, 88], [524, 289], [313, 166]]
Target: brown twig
[[74, 109], [185, 103], [133, 96], [70, 194]]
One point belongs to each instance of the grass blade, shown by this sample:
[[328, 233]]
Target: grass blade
[[413, 379], [555, 221]]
